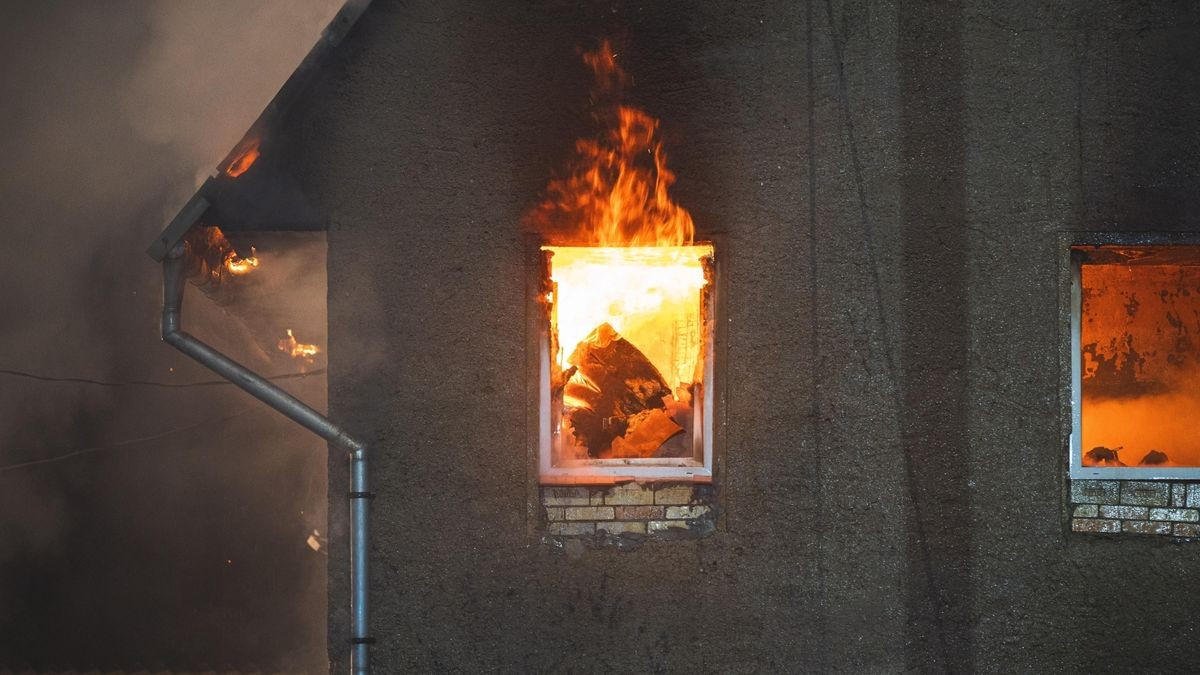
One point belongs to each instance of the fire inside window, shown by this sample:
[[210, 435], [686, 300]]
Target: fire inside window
[[625, 351], [626, 364], [1135, 348]]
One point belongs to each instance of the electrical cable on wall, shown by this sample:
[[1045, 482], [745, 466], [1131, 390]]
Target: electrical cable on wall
[[117, 444], [150, 383]]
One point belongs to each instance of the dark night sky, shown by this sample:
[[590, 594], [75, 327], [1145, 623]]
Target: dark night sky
[[177, 540]]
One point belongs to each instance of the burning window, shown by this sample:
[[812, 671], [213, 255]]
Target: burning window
[[1136, 361], [628, 359], [626, 296]]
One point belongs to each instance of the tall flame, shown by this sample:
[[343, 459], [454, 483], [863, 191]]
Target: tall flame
[[616, 190], [628, 267]]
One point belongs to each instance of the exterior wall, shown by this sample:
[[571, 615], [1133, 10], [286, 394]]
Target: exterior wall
[[893, 182]]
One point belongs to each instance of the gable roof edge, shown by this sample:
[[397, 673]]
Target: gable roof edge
[[287, 96]]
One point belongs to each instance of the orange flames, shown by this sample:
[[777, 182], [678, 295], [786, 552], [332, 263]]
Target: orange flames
[[650, 295], [618, 195], [616, 191], [214, 258], [630, 267], [239, 266], [298, 350], [244, 159]]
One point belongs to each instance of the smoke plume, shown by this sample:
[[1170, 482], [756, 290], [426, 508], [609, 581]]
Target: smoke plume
[[152, 543]]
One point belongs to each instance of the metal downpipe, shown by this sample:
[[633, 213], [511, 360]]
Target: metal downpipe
[[360, 654], [298, 411]]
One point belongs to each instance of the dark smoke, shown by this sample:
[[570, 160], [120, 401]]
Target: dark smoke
[[173, 533]]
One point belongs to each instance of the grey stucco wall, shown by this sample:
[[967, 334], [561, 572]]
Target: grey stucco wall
[[892, 180]]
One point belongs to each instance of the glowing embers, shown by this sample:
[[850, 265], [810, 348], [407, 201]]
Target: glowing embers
[[300, 351], [245, 155], [629, 338], [238, 266], [1138, 360], [213, 262]]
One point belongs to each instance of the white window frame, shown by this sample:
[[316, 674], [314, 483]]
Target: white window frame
[[656, 468]]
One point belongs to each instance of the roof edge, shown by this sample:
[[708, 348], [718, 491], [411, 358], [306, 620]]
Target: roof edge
[[287, 96]]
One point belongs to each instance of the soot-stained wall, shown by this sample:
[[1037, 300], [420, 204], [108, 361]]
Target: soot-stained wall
[[892, 181]]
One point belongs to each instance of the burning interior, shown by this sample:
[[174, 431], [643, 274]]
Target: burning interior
[[628, 358], [1136, 322], [626, 300]]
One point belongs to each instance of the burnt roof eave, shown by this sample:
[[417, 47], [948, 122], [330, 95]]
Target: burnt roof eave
[[287, 96]]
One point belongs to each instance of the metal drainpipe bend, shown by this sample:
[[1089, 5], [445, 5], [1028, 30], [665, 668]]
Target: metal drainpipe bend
[[296, 410]]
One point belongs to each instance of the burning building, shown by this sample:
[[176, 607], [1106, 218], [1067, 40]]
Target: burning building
[[765, 337]]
